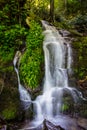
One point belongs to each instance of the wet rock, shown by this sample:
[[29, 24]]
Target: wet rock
[[82, 123], [83, 83], [50, 126], [64, 33], [61, 122], [4, 127]]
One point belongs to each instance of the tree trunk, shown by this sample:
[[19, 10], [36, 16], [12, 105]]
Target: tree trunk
[[65, 1], [52, 10]]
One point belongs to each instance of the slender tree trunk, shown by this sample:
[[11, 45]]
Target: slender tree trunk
[[52, 10], [65, 1]]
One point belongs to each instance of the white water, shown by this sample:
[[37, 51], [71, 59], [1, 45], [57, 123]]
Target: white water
[[58, 61], [24, 95]]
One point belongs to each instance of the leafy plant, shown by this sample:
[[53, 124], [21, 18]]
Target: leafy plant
[[11, 39], [80, 23], [30, 64]]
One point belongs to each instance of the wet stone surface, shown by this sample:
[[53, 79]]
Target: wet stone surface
[[59, 123]]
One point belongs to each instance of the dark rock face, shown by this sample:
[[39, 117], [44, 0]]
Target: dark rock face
[[9, 96], [64, 33]]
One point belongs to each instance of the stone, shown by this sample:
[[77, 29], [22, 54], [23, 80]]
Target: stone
[[50, 126], [82, 123]]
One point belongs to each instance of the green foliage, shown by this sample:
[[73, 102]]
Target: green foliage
[[30, 64], [11, 39], [73, 6], [37, 9], [81, 61], [59, 6], [10, 34], [80, 23], [12, 31], [65, 107], [12, 12]]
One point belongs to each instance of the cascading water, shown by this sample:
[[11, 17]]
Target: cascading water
[[58, 61], [24, 95]]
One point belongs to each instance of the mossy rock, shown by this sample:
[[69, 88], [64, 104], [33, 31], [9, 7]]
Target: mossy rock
[[68, 104], [9, 102], [9, 97], [10, 112], [65, 107]]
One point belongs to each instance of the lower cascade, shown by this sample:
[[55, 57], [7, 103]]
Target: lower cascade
[[58, 65]]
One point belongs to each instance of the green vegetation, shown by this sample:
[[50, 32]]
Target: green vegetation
[[30, 65], [12, 30], [9, 113], [80, 47], [12, 35], [11, 40], [65, 107]]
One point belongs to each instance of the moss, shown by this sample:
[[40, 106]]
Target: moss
[[65, 107], [9, 113], [31, 71]]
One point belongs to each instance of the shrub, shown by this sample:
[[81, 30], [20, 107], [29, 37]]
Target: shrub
[[80, 23], [11, 39]]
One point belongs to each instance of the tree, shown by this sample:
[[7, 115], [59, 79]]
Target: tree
[[52, 10]]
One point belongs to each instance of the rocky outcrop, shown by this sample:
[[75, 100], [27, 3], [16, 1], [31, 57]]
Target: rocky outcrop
[[83, 83], [9, 96], [48, 125]]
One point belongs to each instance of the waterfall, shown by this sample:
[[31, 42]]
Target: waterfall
[[24, 95], [58, 61], [58, 64]]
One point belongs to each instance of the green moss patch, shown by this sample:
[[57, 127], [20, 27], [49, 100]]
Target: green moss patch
[[9, 113]]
